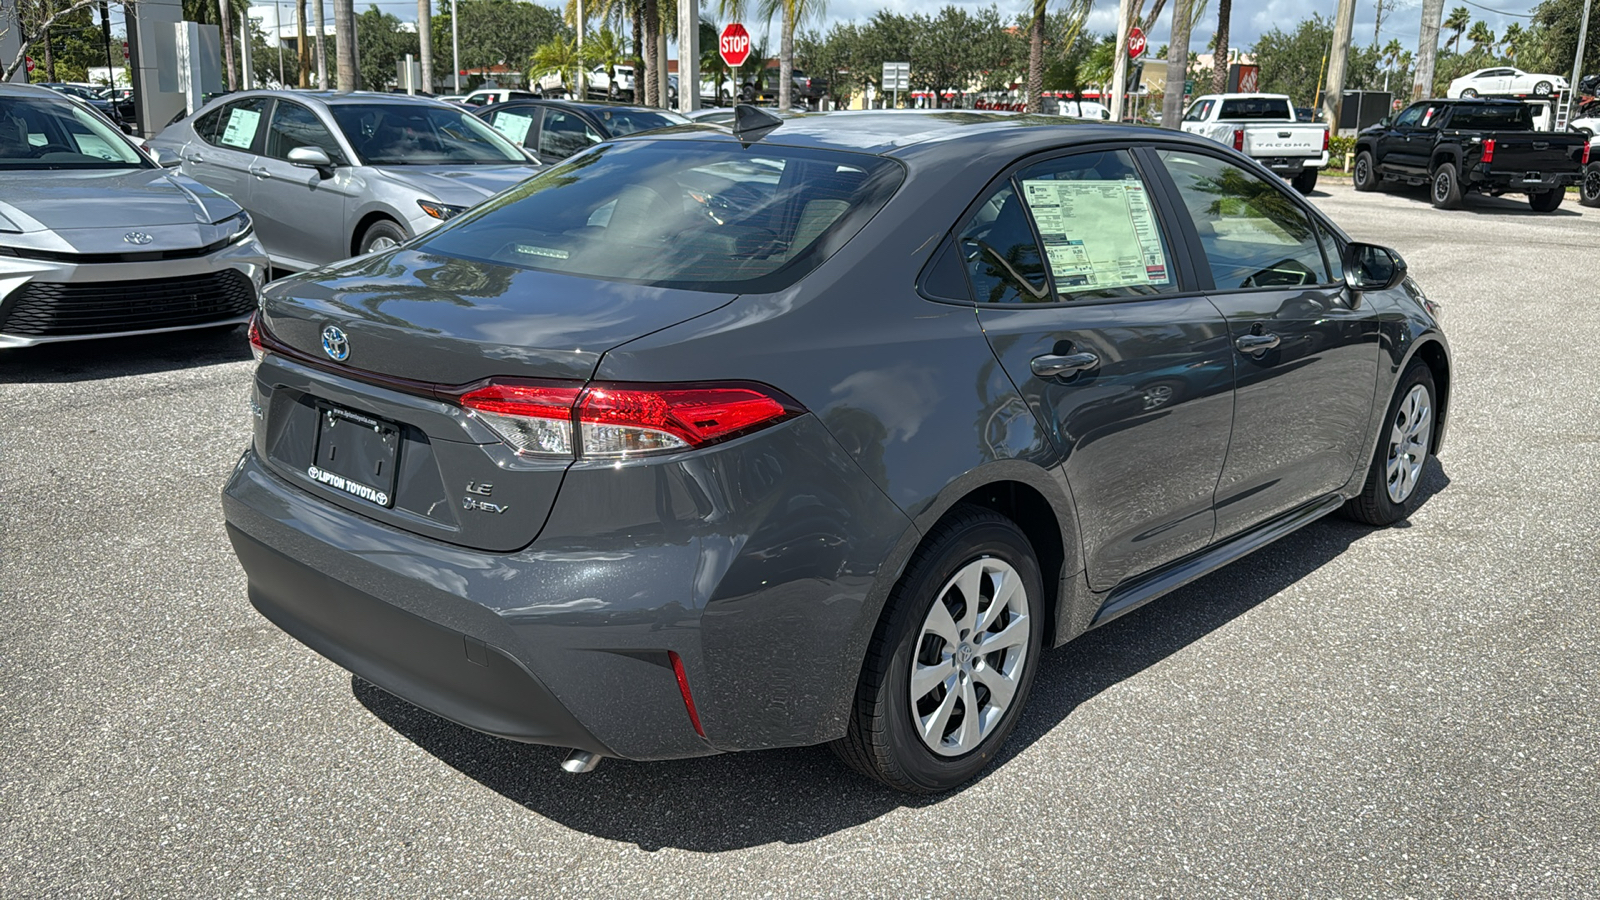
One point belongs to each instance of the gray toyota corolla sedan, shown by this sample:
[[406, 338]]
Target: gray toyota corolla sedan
[[330, 175], [706, 441], [96, 240]]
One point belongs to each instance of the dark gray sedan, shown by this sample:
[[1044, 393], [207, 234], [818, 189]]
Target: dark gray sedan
[[329, 175], [816, 433]]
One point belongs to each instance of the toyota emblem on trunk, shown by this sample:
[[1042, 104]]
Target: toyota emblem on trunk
[[137, 237], [335, 344]]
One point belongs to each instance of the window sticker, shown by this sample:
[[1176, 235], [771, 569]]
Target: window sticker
[[1097, 234], [514, 126], [1427, 117], [241, 130]]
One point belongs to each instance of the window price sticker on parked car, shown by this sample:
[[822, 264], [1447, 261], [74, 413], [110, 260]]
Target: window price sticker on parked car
[[241, 130], [514, 126], [1097, 234]]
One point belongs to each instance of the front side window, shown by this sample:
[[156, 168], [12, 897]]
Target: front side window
[[410, 134], [1199, 111], [295, 126], [564, 134], [693, 215], [51, 133], [1410, 117], [1083, 224], [1253, 233]]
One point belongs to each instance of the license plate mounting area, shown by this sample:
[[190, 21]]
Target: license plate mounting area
[[356, 454]]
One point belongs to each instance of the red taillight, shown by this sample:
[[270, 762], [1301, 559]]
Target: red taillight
[[1238, 139], [256, 348], [1325, 141], [1586, 153], [616, 421], [1488, 150], [683, 688]]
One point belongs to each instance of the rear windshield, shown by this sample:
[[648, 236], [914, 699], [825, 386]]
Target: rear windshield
[[680, 214], [630, 121], [1492, 118], [1276, 109]]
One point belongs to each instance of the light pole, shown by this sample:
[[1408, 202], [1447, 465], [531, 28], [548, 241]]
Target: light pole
[[1577, 61], [455, 43]]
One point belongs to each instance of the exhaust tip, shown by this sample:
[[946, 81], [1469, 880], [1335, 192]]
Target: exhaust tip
[[580, 761]]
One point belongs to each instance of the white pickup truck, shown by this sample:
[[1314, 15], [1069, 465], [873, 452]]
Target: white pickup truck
[[1263, 127]]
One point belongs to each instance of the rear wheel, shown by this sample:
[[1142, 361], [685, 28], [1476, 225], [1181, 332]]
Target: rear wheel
[[1544, 88], [1305, 182], [1365, 174], [1390, 491], [1468, 93], [1546, 201], [1446, 190], [380, 236], [951, 662], [1589, 191]]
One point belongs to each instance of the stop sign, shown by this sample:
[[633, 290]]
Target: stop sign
[[734, 45], [30, 63], [1136, 43]]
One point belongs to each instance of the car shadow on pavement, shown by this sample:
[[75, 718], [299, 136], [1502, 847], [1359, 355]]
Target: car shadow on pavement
[[739, 800], [70, 361], [1484, 205]]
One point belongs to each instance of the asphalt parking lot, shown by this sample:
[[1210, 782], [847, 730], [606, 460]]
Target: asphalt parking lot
[[1350, 712]]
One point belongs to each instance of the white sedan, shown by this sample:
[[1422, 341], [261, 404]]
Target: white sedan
[[1505, 82]]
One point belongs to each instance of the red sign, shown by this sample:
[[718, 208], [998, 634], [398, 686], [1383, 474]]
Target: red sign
[[734, 45], [30, 64], [1136, 43], [1249, 79]]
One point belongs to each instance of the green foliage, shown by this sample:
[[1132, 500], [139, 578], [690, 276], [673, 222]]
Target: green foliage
[[1339, 145], [1295, 63], [559, 55], [1557, 23], [382, 44], [496, 32]]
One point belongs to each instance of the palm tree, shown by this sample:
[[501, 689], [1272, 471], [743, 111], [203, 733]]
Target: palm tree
[[1460, 18], [1219, 63], [1510, 39], [606, 49], [559, 55], [344, 44], [794, 13], [1036, 56], [1481, 37], [425, 42]]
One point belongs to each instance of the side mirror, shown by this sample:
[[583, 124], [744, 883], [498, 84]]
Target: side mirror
[[165, 157], [310, 158], [1368, 267]]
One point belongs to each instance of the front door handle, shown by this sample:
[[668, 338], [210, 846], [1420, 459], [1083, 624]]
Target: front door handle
[[259, 171], [1050, 366], [194, 158], [1257, 343]]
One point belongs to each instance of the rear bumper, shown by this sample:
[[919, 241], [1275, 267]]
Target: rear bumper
[[1483, 178], [765, 589]]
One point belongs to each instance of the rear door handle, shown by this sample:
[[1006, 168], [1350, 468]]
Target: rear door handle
[[1257, 343], [1050, 366], [195, 157], [259, 171]]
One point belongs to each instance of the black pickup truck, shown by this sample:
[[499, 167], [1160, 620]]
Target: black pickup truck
[[1460, 146]]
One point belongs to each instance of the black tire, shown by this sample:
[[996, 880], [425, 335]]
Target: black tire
[[1468, 93], [1365, 175], [1547, 201], [1445, 189], [882, 740], [1589, 189], [1375, 505], [1543, 89], [1305, 182], [383, 229]]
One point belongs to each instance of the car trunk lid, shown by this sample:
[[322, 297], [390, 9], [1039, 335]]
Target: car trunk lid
[[1543, 152], [381, 432]]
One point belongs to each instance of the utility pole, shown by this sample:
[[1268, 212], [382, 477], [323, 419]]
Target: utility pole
[[1177, 66], [583, 69], [455, 44], [425, 42], [344, 42], [1427, 49], [105, 33], [322, 51], [1343, 23], [1119, 71], [1377, 25], [689, 56], [1577, 61]]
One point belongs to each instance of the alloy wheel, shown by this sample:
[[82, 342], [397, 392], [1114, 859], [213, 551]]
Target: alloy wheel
[[1363, 170], [1441, 186], [1408, 443], [1591, 185], [380, 244], [970, 655]]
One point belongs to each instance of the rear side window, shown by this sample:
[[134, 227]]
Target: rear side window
[[239, 124], [692, 215], [516, 124], [1254, 235], [1274, 108]]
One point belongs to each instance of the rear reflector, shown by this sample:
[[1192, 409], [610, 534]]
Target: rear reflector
[[617, 421], [683, 688], [1488, 150]]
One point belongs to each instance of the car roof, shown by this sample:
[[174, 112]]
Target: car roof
[[905, 133], [332, 98], [593, 105], [27, 90]]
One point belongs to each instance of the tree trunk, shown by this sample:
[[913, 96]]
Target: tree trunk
[[300, 43], [1219, 65], [49, 54], [1177, 67], [636, 9], [652, 27], [227, 43], [317, 42], [1427, 49], [786, 57], [425, 42], [344, 43], [1036, 57]]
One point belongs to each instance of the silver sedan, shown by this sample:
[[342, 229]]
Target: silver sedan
[[329, 175], [96, 240]]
